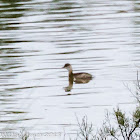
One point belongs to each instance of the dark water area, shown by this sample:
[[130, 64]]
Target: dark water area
[[37, 38]]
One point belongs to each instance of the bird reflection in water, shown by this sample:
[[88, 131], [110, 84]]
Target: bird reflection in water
[[78, 78], [69, 87]]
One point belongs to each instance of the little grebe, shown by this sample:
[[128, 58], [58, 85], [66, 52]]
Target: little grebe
[[77, 76]]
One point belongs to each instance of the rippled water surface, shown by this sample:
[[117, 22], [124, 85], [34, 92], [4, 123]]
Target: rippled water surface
[[37, 37]]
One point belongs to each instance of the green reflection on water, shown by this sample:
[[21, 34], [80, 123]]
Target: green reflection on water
[[10, 12]]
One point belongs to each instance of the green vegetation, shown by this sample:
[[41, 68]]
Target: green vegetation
[[124, 129], [24, 135]]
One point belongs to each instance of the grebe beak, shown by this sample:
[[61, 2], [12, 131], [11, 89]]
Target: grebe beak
[[63, 67]]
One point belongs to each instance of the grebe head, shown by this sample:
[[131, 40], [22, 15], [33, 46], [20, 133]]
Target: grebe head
[[68, 67]]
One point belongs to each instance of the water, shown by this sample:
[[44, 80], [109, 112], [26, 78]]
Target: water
[[39, 36]]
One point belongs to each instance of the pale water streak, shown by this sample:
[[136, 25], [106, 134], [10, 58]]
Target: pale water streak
[[37, 38]]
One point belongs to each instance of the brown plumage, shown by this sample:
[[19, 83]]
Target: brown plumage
[[77, 76]]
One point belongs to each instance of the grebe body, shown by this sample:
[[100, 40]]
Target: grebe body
[[77, 76]]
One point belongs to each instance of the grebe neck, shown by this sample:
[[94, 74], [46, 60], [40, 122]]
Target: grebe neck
[[70, 73], [70, 76]]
